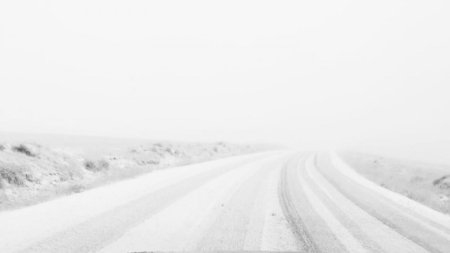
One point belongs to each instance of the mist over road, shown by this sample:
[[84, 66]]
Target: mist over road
[[271, 201]]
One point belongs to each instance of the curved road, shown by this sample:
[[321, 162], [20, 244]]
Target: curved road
[[272, 201]]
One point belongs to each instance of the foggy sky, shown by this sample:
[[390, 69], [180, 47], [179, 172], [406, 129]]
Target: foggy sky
[[297, 72]]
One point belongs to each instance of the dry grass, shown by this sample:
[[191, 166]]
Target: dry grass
[[24, 149], [31, 173]]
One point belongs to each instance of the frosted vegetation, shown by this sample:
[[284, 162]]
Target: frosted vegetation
[[427, 183], [31, 173]]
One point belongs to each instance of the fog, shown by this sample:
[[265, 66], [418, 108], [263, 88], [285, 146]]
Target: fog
[[302, 73]]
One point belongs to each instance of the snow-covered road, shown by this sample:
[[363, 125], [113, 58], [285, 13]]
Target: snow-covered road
[[271, 201]]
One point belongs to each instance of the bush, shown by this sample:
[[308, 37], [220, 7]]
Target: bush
[[89, 165], [2, 147], [96, 166], [24, 150], [11, 177]]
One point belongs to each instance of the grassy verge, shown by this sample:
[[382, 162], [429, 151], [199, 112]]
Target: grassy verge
[[426, 183], [31, 173]]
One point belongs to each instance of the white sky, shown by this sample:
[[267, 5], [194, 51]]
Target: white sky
[[289, 71]]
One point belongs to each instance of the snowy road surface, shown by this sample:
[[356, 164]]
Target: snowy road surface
[[272, 201]]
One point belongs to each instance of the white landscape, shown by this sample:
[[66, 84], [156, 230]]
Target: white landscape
[[32, 172], [224, 126], [272, 200]]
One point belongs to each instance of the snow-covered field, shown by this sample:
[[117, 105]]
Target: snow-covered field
[[425, 182], [38, 168]]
